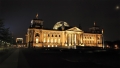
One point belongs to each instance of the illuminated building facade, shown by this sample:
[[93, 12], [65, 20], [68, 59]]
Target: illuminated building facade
[[19, 42], [62, 35]]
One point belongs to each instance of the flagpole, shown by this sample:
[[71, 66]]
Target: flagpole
[[103, 40]]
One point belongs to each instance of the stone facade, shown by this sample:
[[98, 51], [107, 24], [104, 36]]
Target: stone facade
[[62, 35]]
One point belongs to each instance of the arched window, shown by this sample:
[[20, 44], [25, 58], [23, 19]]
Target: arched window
[[52, 35], [48, 35], [55, 35], [37, 35]]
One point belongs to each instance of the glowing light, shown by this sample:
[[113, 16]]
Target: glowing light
[[59, 40], [108, 46], [48, 45], [36, 40], [44, 35], [116, 46], [52, 45], [65, 44], [102, 31], [19, 38], [44, 40], [117, 7], [48, 40], [56, 45]]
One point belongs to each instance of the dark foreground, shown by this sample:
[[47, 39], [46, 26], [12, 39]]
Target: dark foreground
[[56, 58], [42, 58]]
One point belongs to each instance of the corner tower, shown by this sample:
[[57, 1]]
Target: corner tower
[[36, 23]]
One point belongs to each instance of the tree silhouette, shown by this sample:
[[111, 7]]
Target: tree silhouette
[[5, 34]]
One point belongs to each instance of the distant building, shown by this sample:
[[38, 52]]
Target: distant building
[[62, 35], [19, 42]]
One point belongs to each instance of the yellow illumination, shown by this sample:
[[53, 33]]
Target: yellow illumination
[[65, 44], [48, 40], [75, 38], [82, 44], [51, 40], [44, 40], [68, 38], [44, 35], [36, 40], [58, 40], [55, 40]]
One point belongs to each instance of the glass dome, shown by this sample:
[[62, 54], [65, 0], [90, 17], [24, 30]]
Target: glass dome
[[60, 24]]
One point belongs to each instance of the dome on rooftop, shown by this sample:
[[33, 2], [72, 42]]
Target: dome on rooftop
[[60, 24]]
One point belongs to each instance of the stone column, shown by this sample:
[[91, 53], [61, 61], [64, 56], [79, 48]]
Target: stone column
[[63, 38], [71, 39], [66, 38]]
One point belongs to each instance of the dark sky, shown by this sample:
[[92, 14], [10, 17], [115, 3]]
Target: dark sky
[[17, 14]]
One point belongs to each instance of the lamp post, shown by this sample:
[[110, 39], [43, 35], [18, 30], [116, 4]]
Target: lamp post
[[102, 39]]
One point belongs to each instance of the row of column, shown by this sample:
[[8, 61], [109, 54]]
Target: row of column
[[73, 39]]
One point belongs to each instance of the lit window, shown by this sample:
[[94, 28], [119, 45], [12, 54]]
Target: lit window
[[55, 35], [48, 45], [36, 40], [52, 45], [55, 40], [56, 45], [48, 40], [44, 40], [58, 40], [65, 44], [51, 40], [44, 35]]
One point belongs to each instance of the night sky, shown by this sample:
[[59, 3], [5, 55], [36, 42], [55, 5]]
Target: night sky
[[17, 14]]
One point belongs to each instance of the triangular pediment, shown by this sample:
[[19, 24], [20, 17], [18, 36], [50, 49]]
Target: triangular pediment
[[74, 29]]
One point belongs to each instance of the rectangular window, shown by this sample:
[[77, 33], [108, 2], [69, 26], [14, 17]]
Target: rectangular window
[[51, 40], [55, 40], [44, 39], [58, 40], [48, 40]]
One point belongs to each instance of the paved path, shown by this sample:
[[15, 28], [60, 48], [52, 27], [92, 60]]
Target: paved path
[[12, 60]]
